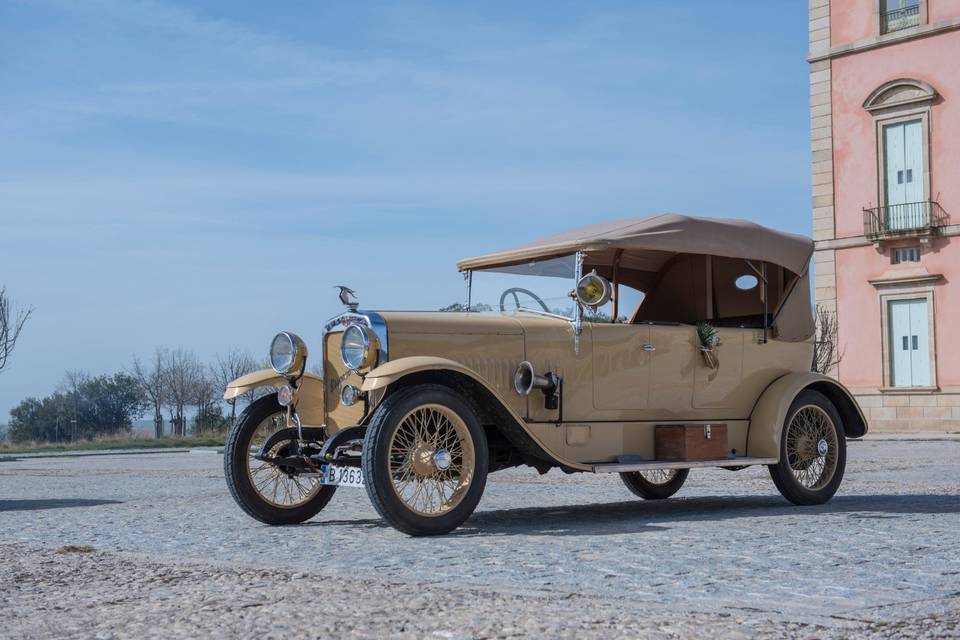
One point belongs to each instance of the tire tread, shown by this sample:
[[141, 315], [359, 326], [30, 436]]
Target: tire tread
[[783, 478], [381, 421], [649, 491], [238, 485]]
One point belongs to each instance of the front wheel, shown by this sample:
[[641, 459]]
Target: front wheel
[[425, 460], [657, 484], [813, 451], [263, 490]]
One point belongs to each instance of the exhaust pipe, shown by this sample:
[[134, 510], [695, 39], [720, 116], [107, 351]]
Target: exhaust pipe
[[526, 379]]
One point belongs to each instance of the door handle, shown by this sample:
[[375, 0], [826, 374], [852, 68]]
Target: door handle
[[648, 347]]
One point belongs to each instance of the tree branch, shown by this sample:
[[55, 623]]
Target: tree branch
[[11, 324]]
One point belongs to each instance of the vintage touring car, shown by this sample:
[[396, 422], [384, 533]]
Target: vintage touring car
[[644, 347]]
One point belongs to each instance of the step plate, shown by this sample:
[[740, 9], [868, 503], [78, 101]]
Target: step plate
[[650, 465]]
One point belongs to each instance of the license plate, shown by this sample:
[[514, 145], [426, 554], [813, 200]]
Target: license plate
[[341, 476]]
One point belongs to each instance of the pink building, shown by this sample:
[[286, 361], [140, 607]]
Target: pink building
[[885, 131]]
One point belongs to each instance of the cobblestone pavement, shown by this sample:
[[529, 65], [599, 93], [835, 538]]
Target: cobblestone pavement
[[554, 556]]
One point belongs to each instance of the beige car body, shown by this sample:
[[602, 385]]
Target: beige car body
[[614, 391]]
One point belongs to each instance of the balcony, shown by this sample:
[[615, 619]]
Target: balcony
[[902, 18], [911, 219]]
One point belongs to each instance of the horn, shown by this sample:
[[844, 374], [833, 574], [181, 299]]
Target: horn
[[525, 380]]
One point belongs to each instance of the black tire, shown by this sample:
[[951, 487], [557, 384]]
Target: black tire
[[784, 477], [376, 460], [238, 479], [647, 490]]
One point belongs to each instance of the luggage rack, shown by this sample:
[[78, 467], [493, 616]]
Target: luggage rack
[[626, 464]]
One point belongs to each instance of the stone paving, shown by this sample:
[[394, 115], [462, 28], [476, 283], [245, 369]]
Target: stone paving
[[550, 556]]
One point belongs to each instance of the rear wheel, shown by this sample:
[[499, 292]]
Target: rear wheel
[[657, 484], [425, 460], [813, 451], [263, 490]]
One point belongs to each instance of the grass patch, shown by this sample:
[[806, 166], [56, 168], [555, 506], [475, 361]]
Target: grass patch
[[75, 548], [131, 442]]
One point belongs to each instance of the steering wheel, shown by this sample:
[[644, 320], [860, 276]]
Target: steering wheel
[[516, 298]]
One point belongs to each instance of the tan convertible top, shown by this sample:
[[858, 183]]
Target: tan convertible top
[[661, 237], [669, 257]]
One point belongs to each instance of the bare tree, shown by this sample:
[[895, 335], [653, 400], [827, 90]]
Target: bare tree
[[206, 398], [153, 384], [11, 323], [181, 374], [826, 350], [70, 386], [229, 367]]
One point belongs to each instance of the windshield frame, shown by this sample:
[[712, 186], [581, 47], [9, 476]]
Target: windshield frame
[[576, 321]]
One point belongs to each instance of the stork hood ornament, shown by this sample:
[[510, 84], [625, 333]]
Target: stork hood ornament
[[348, 297]]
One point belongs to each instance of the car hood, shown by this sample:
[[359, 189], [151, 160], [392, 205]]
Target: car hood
[[509, 323]]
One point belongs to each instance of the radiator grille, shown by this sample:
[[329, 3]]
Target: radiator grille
[[335, 376]]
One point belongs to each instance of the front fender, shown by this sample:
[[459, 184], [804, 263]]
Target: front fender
[[309, 394], [393, 371], [770, 412]]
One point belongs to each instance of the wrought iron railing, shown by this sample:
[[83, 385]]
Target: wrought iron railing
[[911, 218], [901, 18]]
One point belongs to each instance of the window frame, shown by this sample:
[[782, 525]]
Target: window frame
[[894, 259], [892, 293], [879, 11], [881, 122]]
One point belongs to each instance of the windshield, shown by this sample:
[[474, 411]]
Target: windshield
[[542, 286]]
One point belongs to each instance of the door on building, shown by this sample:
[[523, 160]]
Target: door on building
[[909, 343], [903, 153]]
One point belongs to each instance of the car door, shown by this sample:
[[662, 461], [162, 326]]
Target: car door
[[621, 366], [720, 388], [673, 366]]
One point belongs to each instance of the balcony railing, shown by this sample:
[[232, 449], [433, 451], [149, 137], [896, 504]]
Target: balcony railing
[[902, 18], [908, 219]]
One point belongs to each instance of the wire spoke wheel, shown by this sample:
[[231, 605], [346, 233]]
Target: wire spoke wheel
[[659, 476], [811, 447], [431, 460], [263, 490], [655, 484], [271, 483]]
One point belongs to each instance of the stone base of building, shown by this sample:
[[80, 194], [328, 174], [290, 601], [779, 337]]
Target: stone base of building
[[905, 412]]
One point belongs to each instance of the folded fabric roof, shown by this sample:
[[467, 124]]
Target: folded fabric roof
[[645, 244]]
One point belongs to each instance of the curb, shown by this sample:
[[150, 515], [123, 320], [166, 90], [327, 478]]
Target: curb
[[910, 437], [105, 452]]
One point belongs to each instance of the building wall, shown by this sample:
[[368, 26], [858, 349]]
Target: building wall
[[933, 60], [860, 322], [858, 20], [854, 275]]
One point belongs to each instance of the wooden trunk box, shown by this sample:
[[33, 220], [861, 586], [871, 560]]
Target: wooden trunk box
[[691, 442]]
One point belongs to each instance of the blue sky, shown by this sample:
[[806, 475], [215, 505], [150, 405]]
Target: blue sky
[[201, 174]]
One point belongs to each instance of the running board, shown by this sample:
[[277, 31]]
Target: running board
[[650, 465]]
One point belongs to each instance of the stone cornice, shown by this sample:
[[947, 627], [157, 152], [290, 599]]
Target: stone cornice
[[889, 280], [861, 241], [913, 33]]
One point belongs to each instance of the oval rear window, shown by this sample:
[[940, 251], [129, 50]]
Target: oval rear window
[[746, 282]]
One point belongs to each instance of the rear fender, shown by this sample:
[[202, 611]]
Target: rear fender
[[309, 394], [770, 412]]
